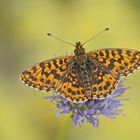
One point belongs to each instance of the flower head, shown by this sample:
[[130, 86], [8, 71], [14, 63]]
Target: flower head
[[92, 109]]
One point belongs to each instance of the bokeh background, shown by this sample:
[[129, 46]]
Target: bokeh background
[[24, 113]]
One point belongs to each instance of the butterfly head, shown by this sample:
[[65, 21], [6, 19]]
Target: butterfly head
[[79, 49], [78, 45]]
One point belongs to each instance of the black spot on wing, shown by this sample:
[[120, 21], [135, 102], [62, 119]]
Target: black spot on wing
[[55, 74]]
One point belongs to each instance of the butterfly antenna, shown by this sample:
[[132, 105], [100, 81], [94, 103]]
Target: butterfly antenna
[[49, 34], [106, 29]]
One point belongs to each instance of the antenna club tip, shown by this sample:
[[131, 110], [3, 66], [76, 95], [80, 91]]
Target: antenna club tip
[[106, 29], [49, 34]]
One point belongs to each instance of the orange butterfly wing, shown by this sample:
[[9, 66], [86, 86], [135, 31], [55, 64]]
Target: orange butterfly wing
[[55, 74], [46, 75], [110, 65], [120, 62]]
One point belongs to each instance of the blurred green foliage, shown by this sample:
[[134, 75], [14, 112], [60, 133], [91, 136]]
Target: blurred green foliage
[[23, 42]]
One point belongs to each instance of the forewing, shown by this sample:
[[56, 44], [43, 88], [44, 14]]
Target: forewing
[[47, 75], [120, 62]]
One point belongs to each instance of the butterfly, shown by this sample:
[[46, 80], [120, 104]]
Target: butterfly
[[83, 76]]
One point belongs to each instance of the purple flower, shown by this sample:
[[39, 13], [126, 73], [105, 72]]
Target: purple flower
[[90, 110]]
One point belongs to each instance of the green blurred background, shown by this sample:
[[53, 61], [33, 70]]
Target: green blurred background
[[23, 42]]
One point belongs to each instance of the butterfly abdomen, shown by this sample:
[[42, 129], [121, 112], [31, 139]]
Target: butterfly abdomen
[[85, 78], [83, 71]]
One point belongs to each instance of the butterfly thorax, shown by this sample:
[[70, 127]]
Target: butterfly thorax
[[80, 55]]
